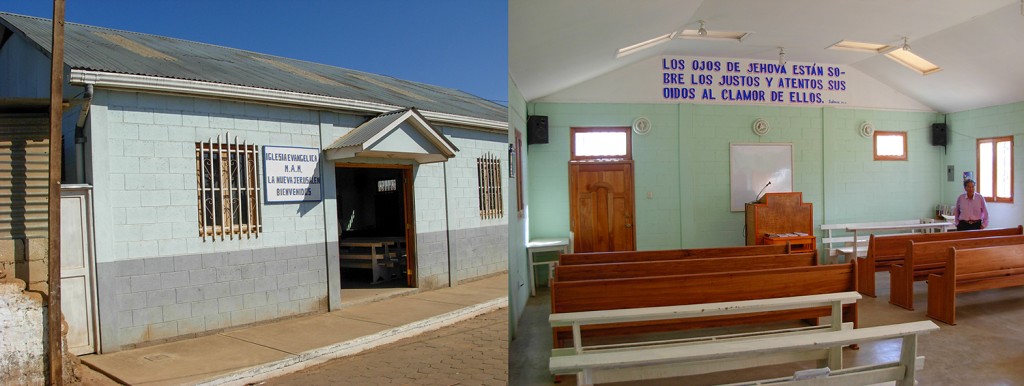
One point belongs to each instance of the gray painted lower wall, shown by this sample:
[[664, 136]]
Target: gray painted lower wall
[[155, 299], [432, 260], [475, 252], [479, 252]]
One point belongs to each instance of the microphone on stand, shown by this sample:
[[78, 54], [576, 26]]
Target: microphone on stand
[[758, 197]]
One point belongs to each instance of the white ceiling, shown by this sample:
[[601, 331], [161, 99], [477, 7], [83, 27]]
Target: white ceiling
[[556, 44]]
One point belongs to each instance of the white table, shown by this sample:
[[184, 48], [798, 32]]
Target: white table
[[544, 245], [933, 225]]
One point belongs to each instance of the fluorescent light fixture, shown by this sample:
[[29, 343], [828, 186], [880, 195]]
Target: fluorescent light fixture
[[850, 45], [903, 56], [643, 45], [713, 35]]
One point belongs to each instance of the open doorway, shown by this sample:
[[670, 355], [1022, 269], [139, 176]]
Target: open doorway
[[375, 227]]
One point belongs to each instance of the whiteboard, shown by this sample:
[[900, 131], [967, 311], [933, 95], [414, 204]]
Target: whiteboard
[[753, 165]]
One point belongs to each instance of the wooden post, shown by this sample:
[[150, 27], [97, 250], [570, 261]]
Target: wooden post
[[53, 324]]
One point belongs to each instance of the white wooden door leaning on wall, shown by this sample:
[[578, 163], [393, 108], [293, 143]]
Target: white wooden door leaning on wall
[[76, 268]]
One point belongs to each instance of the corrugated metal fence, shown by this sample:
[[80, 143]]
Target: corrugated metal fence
[[24, 152]]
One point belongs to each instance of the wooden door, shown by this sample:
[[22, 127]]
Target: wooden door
[[76, 269], [601, 206]]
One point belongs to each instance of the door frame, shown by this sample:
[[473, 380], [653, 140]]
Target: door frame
[[626, 158], [410, 218]]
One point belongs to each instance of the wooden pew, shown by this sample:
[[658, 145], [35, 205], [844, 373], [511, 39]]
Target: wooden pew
[[970, 270], [682, 267], [659, 291], [925, 258], [700, 359], [831, 357], [884, 250], [673, 254]]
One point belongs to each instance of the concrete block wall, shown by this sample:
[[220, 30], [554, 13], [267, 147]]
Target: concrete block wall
[[479, 252], [478, 246], [151, 166], [26, 260], [965, 128], [833, 167], [165, 297], [431, 226], [157, 277]]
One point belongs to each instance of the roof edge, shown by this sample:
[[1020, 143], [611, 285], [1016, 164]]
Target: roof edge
[[220, 90]]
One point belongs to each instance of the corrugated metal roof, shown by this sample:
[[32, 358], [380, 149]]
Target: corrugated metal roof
[[367, 130], [102, 49]]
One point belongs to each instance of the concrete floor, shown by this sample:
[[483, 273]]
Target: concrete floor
[[986, 347]]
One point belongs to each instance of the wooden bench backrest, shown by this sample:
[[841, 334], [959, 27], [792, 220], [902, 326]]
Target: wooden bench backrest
[[936, 251], [673, 254], [682, 267], [895, 246], [593, 295], [971, 262]]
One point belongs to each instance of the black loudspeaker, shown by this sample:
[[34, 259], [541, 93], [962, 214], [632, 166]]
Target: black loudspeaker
[[536, 129], [939, 134]]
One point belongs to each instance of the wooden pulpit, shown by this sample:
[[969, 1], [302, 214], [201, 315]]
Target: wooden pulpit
[[782, 215]]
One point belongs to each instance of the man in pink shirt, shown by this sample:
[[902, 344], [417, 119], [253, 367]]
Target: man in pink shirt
[[970, 212]]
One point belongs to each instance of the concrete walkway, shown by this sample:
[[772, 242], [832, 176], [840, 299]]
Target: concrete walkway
[[256, 353]]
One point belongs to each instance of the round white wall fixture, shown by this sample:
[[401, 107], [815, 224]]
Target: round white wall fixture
[[866, 129], [641, 126], [761, 127]]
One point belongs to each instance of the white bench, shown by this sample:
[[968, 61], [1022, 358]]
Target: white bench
[[647, 363], [569, 360], [838, 239]]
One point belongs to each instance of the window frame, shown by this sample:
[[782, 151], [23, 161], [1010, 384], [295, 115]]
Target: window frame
[[216, 180], [995, 167], [572, 143], [519, 173], [489, 189], [874, 146]]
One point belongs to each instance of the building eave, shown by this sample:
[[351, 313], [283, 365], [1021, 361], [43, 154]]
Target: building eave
[[131, 82]]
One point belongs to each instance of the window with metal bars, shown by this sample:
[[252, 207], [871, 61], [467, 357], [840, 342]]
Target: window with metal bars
[[227, 176], [488, 173], [387, 186]]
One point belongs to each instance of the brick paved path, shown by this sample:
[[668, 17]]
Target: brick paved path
[[473, 352]]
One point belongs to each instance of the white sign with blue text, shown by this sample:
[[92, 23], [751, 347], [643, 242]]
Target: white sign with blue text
[[292, 174], [747, 81]]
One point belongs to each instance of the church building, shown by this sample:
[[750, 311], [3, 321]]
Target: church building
[[209, 187]]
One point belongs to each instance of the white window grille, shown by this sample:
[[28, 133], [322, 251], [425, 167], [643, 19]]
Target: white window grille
[[488, 170], [385, 186], [228, 189]]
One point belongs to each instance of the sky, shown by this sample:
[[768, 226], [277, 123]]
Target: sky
[[460, 44]]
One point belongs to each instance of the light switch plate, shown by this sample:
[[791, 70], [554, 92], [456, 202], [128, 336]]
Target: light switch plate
[[949, 173]]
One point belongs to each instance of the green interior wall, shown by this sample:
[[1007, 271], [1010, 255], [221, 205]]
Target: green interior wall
[[964, 129], [684, 163], [517, 261]]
